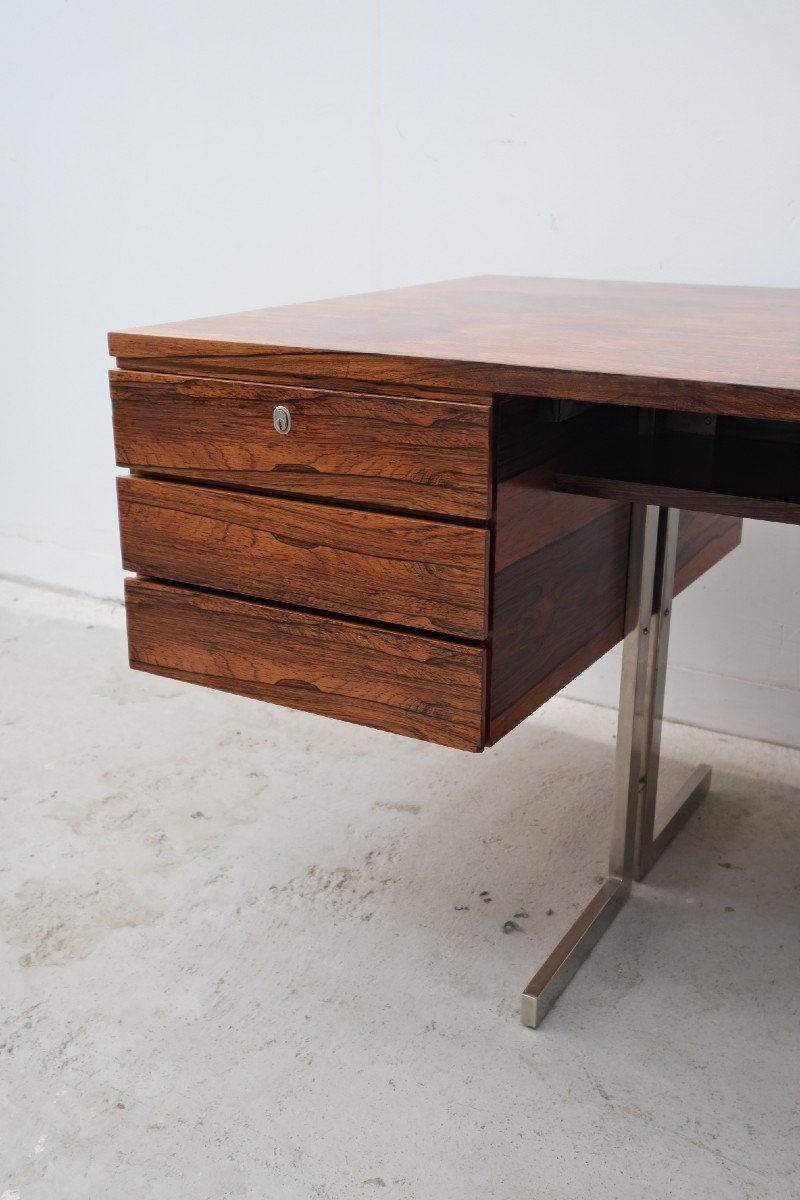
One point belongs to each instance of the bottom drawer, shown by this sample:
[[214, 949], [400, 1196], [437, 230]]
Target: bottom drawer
[[414, 684]]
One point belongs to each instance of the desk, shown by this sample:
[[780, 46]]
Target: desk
[[427, 510]]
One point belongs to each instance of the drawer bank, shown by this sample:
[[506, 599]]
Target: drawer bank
[[403, 563]]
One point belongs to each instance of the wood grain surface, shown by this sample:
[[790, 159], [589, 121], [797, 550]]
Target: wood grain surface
[[400, 570], [417, 685], [729, 350], [556, 612], [428, 456]]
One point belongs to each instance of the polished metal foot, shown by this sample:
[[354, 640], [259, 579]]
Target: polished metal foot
[[574, 948], [634, 846]]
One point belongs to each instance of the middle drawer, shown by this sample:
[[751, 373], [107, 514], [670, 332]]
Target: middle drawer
[[400, 570]]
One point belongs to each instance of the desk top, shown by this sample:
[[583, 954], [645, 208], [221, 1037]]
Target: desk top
[[732, 350]]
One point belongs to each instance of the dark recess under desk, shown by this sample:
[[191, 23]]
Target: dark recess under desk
[[742, 470]]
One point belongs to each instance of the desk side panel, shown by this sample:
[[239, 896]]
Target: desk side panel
[[560, 569]]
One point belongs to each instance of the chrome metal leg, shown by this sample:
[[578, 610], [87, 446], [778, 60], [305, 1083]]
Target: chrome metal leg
[[649, 846], [554, 975], [651, 573]]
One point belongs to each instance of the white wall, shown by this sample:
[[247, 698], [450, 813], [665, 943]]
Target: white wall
[[176, 158]]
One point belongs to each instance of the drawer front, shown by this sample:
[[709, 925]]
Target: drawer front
[[400, 570], [429, 456], [420, 686]]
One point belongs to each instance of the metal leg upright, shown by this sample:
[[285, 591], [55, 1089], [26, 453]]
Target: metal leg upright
[[651, 572], [650, 846]]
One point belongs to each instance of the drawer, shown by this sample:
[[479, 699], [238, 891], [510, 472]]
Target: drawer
[[410, 571], [414, 684], [429, 456]]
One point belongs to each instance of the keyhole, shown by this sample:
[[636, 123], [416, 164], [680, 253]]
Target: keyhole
[[282, 419]]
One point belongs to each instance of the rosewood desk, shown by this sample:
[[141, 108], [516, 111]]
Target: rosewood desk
[[427, 510]]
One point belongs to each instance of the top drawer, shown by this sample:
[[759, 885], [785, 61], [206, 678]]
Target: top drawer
[[429, 456]]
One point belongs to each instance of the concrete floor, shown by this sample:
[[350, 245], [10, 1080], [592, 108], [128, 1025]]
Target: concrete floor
[[245, 952]]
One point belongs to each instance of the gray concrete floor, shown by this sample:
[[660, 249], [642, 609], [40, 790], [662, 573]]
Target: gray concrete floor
[[245, 952]]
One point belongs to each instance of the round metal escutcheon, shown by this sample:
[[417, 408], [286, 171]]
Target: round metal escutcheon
[[282, 419]]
